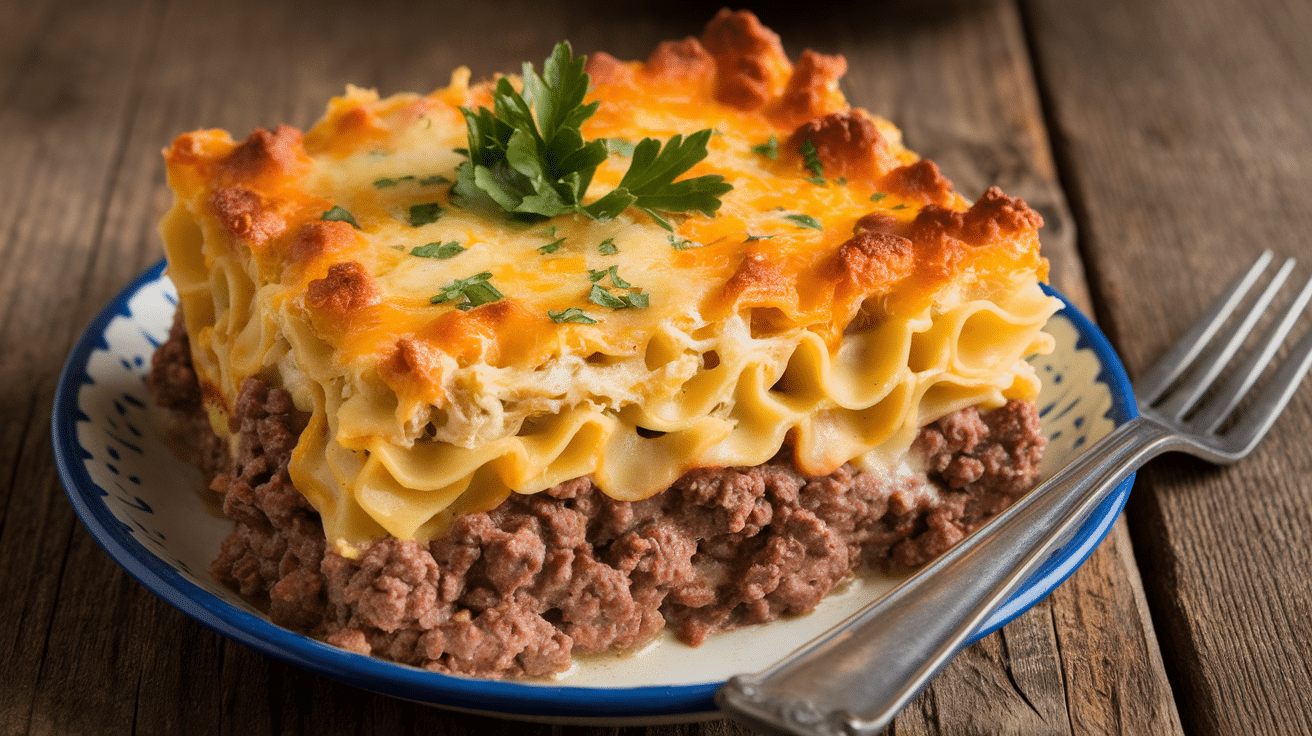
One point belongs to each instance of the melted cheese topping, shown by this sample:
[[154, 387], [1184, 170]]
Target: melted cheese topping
[[836, 316]]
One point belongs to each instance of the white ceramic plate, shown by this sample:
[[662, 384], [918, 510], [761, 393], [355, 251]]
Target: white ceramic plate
[[150, 512]]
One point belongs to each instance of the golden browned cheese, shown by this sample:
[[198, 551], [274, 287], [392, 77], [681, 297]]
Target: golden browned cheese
[[843, 295]]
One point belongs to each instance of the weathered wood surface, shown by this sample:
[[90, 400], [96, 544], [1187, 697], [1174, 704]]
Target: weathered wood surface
[[1144, 117], [1188, 152]]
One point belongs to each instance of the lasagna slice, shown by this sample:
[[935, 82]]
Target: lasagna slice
[[476, 415]]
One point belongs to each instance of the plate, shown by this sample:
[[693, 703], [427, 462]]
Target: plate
[[149, 510]]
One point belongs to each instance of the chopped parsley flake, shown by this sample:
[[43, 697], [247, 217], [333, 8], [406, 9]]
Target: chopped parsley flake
[[805, 221], [682, 243], [386, 182], [573, 314], [769, 149], [607, 247], [818, 181], [898, 207], [476, 291], [429, 181], [339, 214], [811, 158], [751, 238], [604, 298], [877, 196], [422, 214], [551, 247], [613, 272], [440, 251]]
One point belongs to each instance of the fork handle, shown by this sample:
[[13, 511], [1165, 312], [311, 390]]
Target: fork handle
[[854, 678]]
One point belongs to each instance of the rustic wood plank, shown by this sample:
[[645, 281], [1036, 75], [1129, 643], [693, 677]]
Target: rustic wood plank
[[116, 659], [965, 98], [60, 134], [1186, 156]]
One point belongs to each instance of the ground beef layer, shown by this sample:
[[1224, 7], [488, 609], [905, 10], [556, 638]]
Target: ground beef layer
[[515, 591]]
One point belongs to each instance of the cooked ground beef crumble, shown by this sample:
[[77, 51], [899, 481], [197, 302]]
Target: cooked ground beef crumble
[[515, 591]]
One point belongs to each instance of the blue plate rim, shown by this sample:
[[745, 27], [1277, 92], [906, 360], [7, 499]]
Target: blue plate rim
[[494, 697]]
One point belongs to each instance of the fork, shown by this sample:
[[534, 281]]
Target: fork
[[854, 678]]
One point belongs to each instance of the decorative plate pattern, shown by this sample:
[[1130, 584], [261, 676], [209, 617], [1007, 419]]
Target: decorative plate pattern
[[152, 513]]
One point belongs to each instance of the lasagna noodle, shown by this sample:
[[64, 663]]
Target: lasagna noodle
[[705, 376]]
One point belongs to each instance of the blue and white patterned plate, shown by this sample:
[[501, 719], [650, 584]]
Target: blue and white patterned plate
[[152, 514]]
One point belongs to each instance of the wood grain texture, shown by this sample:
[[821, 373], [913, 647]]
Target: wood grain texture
[[94, 90], [1185, 156], [57, 170]]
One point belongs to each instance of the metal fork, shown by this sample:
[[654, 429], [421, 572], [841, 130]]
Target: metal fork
[[856, 677]]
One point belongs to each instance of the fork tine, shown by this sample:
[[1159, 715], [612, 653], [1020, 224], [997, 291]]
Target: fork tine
[[1185, 396], [1224, 401], [1271, 401], [1151, 387]]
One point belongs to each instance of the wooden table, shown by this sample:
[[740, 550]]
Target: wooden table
[[1166, 143]]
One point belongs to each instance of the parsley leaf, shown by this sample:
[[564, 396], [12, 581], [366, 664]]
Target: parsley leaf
[[607, 247], [440, 251], [528, 154], [649, 183], [769, 149], [620, 146], [422, 214], [805, 221], [573, 314], [476, 290], [339, 213]]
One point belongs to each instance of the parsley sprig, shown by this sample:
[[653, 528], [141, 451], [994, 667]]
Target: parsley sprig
[[529, 156]]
